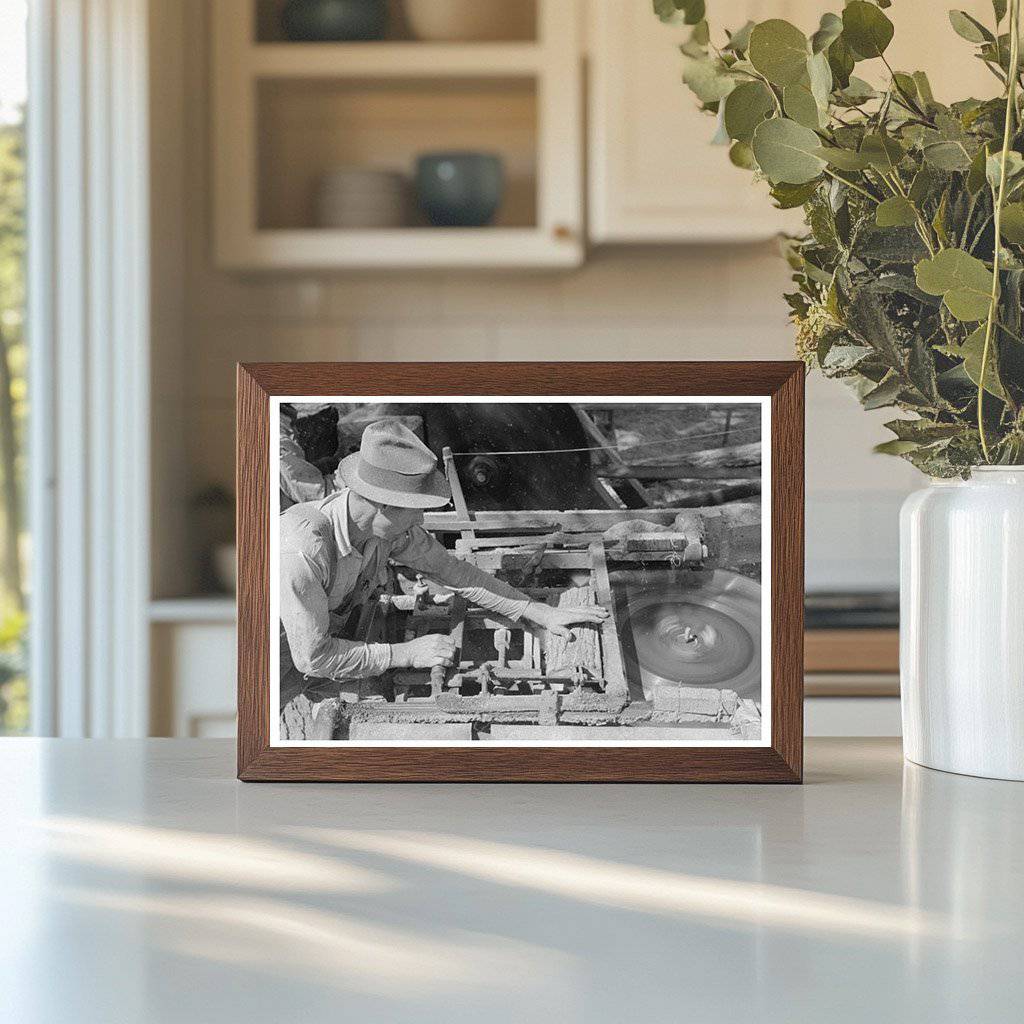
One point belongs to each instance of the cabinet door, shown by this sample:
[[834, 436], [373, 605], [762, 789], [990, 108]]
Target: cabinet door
[[654, 177]]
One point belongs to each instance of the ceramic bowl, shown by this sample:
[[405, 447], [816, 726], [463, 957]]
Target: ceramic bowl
[[460, 189], [359, 197], [470, 20], [333, 21]]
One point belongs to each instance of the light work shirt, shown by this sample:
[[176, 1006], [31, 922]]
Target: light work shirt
[[322, 573]]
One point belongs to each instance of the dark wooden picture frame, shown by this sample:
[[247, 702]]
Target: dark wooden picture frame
[[780, 761]]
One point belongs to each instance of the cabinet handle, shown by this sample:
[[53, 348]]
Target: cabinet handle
[[562, 232]]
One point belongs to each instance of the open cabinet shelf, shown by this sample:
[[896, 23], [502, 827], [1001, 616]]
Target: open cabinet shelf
[[393, 60], [287, 114]]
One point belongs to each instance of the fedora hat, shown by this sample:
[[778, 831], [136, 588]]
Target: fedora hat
[[395, 467]]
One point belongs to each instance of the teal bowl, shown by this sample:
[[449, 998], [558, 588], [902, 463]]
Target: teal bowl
[[460, 189], [334, 21]]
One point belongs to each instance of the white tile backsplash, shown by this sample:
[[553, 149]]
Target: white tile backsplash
[[668, 303]]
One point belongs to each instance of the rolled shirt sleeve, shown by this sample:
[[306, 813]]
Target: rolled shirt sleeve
[[424, 553], [306, 618]]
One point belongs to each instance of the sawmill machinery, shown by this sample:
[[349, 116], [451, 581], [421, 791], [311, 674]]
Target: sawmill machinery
[[678, 658]]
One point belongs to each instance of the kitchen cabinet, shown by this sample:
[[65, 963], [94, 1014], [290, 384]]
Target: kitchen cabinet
[[653, 175], [288, 114]]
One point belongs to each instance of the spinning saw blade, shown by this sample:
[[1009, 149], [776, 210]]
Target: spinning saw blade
[[696, 629]]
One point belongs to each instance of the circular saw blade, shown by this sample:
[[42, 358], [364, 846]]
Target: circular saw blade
[[696, 629]]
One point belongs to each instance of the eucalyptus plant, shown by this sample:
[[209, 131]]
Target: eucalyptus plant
[[902, 289]]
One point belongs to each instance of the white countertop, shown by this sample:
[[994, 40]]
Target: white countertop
[[140, 882]]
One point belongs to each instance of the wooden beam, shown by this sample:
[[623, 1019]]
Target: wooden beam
[[633, 489], [732, 457], [611, 650], [581, 521], [458, 498], [685, 472]]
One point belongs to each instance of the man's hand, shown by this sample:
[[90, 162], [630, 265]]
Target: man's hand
[[558, 620], [423, 652]]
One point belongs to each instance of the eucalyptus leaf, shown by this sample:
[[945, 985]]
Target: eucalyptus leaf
[[866, 29], [741, 155], [843, 358], [721, 136], [786, 151], [939, 219], [844, 159], [895, 447], [788, 196], [690, 12], [708, 80], [801, 106], [923, 430], [857, 91], [976, 173], [905, 84], [1012, 223], [882, 152], [921, 370], [701, 34], [829, 30], [841, 62], [745, 108], [969, 28], [819, 75], [963, 281], [971, 351], [993, 167], [779, 51], [882, 395], [894, 212], [924, 87], [947, 156], [922, 185], [739, 41]]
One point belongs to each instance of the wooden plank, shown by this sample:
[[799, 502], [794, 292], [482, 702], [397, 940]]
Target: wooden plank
[[491, 561], [733, 457], [527, 540], [682, 471], [582, 648], [852, 650], [544, 520], [611, 650]]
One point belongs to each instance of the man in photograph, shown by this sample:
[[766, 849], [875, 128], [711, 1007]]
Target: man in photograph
[[334, 556]]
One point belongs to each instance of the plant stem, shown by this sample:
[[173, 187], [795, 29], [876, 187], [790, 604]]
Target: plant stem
[[853, 185], [1011, 108], [907, 99], [775, 98]]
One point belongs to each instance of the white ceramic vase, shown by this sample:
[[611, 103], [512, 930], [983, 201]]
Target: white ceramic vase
[[962, 624]]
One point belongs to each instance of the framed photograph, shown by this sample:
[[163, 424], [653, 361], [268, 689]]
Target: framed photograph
[[520, 571]]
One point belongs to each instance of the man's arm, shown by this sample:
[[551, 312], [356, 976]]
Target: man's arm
[[306, 621], [426, 554]]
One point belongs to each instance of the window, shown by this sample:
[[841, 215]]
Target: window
[[14, 691]]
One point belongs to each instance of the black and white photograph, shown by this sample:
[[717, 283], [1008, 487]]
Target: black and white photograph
[[450, 571]]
